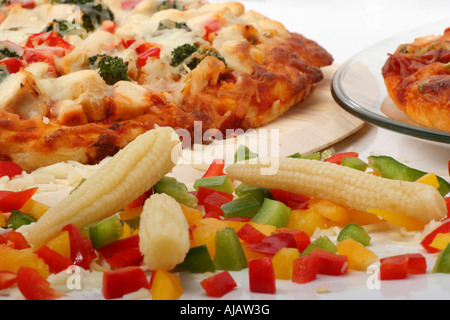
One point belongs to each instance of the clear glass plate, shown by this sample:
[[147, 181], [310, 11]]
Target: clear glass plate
[[359, 88]]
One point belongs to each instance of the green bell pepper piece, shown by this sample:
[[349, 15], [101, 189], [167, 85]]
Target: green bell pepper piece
[[259, 193], [244, 153], [323, 243], [18, 218], [354, 163], [176, 190], [229, 253], [245, 206], [105, 232], [390, 168], [442, 264], [197, 260], [356, 232], [312, 156], [221, 183], [273, 212]]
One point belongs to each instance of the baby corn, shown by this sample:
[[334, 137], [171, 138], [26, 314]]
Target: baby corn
[[346, 186], [131, 172], [163, 233]]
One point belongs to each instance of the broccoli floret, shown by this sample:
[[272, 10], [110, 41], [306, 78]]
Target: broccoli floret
[[94, 12], [6, 52], [170, 4], [170, 24], [183, 52], [111, 69], [64, 27]]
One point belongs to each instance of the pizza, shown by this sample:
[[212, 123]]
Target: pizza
[[80, 79], [417, 78]]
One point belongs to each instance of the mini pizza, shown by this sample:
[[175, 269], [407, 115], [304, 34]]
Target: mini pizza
[[80, 79], [417, 78]]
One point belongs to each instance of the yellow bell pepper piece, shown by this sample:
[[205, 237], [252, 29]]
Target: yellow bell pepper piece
[[191, 214], [130, 213], [266, 229], [363, 218], [126, 231], [2, 221], [331, 211], [400, 220], [12, 260], [430, 179], [440, 241], [212, 222], [206, 235], [165, 286], [307, 220], [282, 263], [34, 208], [359, 257], [60, 243]]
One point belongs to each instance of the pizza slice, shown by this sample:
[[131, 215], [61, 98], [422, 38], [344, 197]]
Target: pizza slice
[[80, 79]]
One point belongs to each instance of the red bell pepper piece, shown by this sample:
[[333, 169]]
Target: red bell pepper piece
[[215, 168], [10, 200], [115, 247], [393, 268], [425, 243], [13, 65], [447, 202], [7, 279], [212, 214], [45, 54], [261, 275], [218, 284], [250, 234], [302, 239], [417, 264], [48, 38], [338, 157], [331, 263], [270, 245], [126, 258], [213, 202], [293, 200], [152, 52], [16, 238], [305, 268], [128, 5], [81, 251], [117, 283], [204, 192], [139, 201], [10, 169], [34, 287], [211, 26], [109, 26], [55, 261]]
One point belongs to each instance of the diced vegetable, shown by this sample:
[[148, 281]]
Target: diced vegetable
[[400, 220], [204, 192], [126, 258], [34, 208], [35, 287], [245, 206], [10, 200], [323, 243], [60, 244], [425, 243], [229, 253], [442, 263], [272, 244], [18, 219], [440, 241], [213, 203], [359, 257], [215, 168], [394, 267], [105, 231], [331, 263], [10, 169], [165, 286], [55, 261], [81, 251], [250, 234], [15, 238], [355, 232], [417, 264], [221, 183], [117, 283], [111, 249], [261, 276], [282, 262], [12, 260], [305, 268], [259, 193], [218, 284], [307, 220], [197, 260], [390, 168], [293, 200], [244, 153], [430, 179], [176, 190], [302, 239], [7, 279], [337, 158], [273, 212], [355, 163]]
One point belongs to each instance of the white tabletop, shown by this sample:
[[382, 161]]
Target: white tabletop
[[345, 27]]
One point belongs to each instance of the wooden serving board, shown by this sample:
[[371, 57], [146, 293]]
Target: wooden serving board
[[312, 125]]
